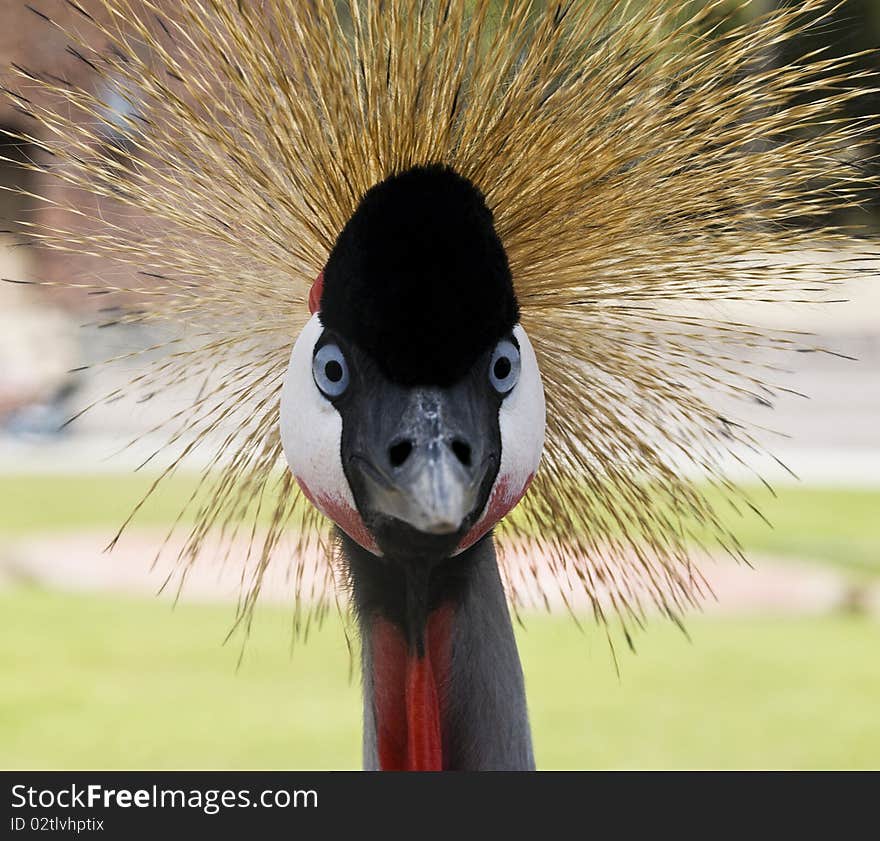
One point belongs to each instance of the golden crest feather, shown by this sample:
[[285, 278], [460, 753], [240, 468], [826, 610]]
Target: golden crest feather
[[640, 160]]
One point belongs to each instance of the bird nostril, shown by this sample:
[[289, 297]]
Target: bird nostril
[[462, 451], [398, 453]]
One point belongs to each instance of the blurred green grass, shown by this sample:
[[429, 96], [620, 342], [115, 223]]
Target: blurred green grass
[[101, 681], [120, 682], [832, 525]]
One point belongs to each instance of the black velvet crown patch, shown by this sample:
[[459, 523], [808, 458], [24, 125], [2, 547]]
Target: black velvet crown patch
[[418, 278]]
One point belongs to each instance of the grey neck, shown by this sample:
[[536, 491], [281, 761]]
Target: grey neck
[[484, 720]]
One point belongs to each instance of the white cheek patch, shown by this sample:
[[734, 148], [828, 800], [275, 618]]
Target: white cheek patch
[[521, 420], [311, 434]]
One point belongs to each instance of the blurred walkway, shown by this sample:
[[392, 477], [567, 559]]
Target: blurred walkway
[[78, 562]]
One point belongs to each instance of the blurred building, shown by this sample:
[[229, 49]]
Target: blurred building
[[34, 38], [40, 328]]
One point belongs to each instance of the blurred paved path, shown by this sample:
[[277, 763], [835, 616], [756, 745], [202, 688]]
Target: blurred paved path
[[77, 562]]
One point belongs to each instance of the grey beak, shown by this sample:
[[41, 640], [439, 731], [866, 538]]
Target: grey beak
[[432, 490], [423, 460]]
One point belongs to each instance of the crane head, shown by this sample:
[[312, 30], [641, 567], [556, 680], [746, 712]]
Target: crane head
[[412, 413]]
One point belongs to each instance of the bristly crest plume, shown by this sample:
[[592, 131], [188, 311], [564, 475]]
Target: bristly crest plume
[[636, 158]]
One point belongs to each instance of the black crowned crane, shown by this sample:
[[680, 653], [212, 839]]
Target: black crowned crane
[[505, 202], [412, 416]]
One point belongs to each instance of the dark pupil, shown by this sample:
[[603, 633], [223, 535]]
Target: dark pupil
[[502, 367], [333, 371]]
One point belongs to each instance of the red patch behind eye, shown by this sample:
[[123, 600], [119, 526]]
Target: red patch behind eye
[[315, 294], [503, 500], [346, 517]]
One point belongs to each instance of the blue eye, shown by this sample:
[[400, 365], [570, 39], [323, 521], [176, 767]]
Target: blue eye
[[504, 367], [330, 370]]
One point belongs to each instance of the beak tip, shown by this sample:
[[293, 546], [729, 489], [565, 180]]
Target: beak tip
[[433, 493]]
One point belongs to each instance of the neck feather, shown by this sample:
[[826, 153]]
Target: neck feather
[[443, 685]]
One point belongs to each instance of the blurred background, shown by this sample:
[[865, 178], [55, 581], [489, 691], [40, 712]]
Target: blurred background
[[98, 668]]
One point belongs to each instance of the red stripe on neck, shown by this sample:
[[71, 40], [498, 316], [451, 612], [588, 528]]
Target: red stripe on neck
[[407, 692]]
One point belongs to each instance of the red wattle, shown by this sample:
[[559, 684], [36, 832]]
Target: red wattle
[[346, 517], [502, 501], [407, 692]]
